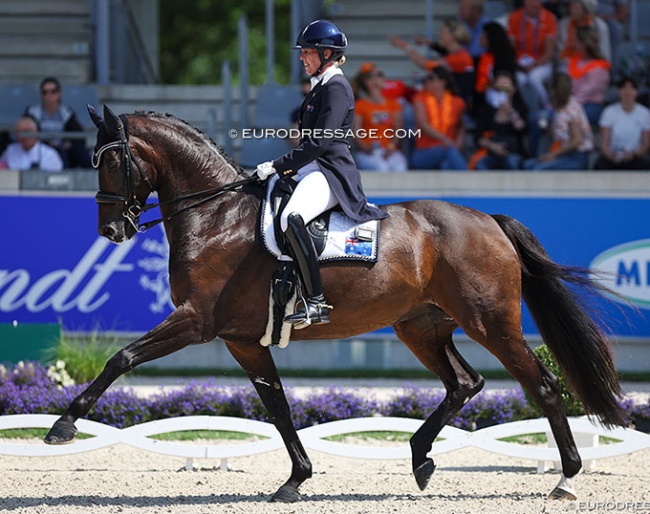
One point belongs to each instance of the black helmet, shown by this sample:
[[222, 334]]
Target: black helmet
[[321, 35]]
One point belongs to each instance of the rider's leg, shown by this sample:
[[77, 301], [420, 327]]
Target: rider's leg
[[311, 198]]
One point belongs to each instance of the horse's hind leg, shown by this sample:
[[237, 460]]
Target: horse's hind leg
[[434, 347], [258, 364], [517, 357], [176, 332]]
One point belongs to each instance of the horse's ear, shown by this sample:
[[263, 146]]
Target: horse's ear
[[112, 121], [95, 116]]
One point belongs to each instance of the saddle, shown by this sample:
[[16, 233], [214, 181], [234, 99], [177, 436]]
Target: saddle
[[335, 237]]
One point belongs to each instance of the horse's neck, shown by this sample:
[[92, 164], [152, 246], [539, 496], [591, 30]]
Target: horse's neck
[[201, 167]]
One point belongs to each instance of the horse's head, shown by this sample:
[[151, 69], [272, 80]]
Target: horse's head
[[123, 184]]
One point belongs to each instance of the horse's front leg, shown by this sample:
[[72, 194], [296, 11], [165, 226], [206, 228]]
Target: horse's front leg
[[258, 363], [179, 330]]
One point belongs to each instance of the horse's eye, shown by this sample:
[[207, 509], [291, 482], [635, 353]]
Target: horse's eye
[[113, 165]]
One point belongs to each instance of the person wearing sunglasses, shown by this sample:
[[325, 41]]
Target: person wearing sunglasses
[[377, 120], [53, 115]]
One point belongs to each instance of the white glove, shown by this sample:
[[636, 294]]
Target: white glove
[[265, 170]]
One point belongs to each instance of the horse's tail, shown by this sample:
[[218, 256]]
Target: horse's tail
[[575, 339]]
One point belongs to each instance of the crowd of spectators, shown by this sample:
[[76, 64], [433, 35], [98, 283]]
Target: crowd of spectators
[[541, 88], [40, 135]]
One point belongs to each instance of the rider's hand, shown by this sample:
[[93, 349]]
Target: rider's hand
[[265, 170]]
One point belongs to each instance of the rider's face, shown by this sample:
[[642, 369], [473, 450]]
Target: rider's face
[[311, 60]]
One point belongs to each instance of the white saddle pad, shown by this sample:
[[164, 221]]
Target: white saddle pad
[[346, 239]]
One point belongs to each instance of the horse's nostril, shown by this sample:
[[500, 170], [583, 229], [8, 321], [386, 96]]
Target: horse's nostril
[[106, 231]]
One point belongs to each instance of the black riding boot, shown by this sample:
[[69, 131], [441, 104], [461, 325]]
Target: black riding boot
[[315, 312]]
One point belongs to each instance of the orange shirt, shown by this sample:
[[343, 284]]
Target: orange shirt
[[377, 117], [484, 72], [445, 117], [530, 35], [578, 68], [458, 62]]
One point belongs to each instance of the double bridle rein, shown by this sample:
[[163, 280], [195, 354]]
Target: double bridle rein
[[133, 209]]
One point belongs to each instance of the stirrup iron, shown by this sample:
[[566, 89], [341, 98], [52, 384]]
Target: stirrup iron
[[314, 312]]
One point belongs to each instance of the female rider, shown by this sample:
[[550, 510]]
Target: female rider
[[321, 163]]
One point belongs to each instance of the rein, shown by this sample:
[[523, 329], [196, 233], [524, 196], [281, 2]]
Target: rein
[[133, 209], [214, 193]]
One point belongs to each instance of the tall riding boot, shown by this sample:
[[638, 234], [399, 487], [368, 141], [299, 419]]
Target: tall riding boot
[[315, 311]]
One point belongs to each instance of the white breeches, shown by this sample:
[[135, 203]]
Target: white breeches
[[312, 196]]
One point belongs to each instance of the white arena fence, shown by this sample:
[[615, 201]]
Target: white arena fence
[[314, 438]]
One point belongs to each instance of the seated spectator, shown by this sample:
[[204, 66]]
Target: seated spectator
[[28, 153], [581, 14], [533, 31], [403, 93], [54, 116], [439, 115], [499, 56], [470, 14], [572, 138], [378, 118], [501, 127], [624, 132], [589, 72], [453, 35]]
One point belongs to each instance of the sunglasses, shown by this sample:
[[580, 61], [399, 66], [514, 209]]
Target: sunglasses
[[49, 91]]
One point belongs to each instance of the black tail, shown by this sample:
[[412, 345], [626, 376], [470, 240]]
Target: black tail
[[575, 339]]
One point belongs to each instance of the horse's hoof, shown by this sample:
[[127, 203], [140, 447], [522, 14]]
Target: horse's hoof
[[286, 494], [565, 490], [423, 473], [62, 432]]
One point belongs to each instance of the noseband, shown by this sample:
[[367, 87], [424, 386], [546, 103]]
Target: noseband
[[132, 206], [133, 209]]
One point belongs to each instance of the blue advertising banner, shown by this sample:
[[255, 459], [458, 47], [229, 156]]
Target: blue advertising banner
[[54, 267]]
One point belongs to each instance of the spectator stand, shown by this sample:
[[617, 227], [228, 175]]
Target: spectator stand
[[14, 99]]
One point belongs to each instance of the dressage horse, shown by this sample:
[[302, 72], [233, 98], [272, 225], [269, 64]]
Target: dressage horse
[[441, 266]]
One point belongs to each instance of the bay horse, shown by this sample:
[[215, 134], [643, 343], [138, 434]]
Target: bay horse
[[441, 266]]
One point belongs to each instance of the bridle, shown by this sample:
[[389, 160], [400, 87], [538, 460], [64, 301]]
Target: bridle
[[132, 207]]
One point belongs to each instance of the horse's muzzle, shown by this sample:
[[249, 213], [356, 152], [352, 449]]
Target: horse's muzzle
[[114, 232]]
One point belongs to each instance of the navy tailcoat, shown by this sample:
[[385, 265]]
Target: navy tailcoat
[[325, 123]]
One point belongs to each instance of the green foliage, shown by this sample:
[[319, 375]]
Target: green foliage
[[197, 37], [84, 358], [572, 405]]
